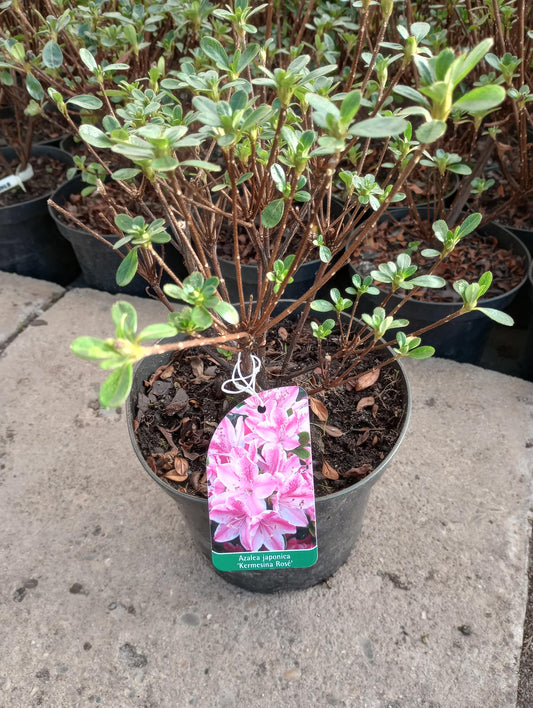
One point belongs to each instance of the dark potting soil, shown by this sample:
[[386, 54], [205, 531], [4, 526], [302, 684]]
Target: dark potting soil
[[48, 174], [518, 215], [43, 131], [94, 209], [182, 405], [473, 256]]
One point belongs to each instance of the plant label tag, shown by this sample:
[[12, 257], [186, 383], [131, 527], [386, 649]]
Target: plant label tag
[[260, 484], [16, 180]]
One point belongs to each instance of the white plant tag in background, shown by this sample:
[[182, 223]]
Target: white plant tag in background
[[16, 180]]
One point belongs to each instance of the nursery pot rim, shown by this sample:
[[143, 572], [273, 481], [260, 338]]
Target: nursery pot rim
[[368, 480], [39, 148], [230, 261], [56, 217], [71, 225]]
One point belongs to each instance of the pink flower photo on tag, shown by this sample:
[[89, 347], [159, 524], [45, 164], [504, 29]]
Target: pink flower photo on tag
[[260, 482]]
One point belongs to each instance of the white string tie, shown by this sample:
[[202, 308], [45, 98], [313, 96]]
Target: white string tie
[[239, 383]]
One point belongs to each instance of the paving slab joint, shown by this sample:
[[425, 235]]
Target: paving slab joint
[[54, 298]]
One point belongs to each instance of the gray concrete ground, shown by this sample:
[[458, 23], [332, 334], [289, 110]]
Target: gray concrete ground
[[104, 600]]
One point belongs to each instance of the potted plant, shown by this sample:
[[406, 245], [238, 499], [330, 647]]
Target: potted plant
[[61, 50], [29, 242], [409, 228], [254, 161]]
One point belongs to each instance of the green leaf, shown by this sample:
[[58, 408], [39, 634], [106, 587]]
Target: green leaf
[[91, 348], [497, 315], [322, 306], [165, 164], [325, 254], [421, 352], [464, 64], [272, 213], [203, 165], [302, 453], [116, 387], [110, 123], [6, 78], [173, 291], [431, 131], [124, 222], [34, 88], [304, 439], [484, 283], [171, 84], [350, 106], [17, 51], [215, 51], [127, 269], [52, 55], [86, 101], [125, 173], [124, 318], [428, 281], [248, 55], [380, 127], [227, 312], [88, 59], [94, 136], [443, 63], [116, 67], [201, 317], [157, 331], [238, 101], [470, 224], [412, 94], [480, 99], [459, 169], [161, 237]]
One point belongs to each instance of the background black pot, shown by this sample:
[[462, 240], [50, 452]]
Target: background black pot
[[462, 339], [303, 279], [30, 244], [525, 235], [98, 262], [339, 515]]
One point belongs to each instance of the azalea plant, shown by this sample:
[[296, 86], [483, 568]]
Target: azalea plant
[[493, 142], [252, 158], [52, 45]]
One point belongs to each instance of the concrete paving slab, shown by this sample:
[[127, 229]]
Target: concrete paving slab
[[23, 299], [104, 601]]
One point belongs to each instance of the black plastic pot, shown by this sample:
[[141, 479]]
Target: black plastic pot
[[339, 515], [30, 244], [52, 110], [303, 279], [463, 339], [525, 235], [67, 143], [98, 262]]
